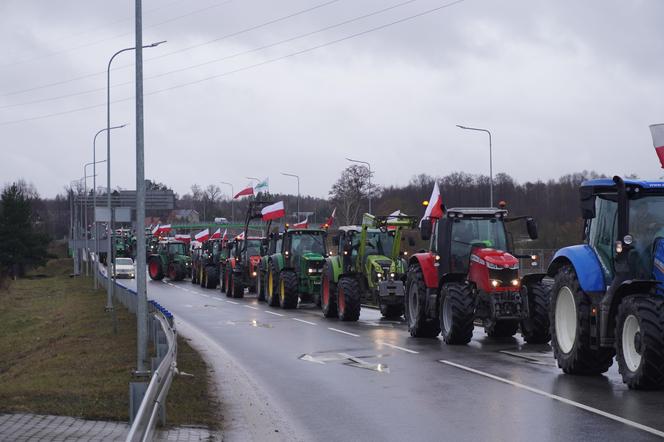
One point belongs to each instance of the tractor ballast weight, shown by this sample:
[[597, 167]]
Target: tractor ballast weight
[[170, 260], [607, 298]]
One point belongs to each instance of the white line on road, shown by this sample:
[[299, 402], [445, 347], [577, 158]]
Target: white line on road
[[622, 420], [233, 302], [344, 332], [273, 313], [251, 306], [203, 294], [407, 350], [302, 320]]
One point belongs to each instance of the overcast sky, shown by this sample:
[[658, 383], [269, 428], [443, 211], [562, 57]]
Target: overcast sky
[[563, 85]]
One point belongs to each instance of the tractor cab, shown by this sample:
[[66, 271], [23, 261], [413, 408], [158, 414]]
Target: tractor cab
[[305, 250]]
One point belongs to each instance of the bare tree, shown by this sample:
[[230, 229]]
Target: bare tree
[[351, 188]]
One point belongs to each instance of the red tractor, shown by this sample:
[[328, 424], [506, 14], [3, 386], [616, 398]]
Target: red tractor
[[468, 275], [241, 269]]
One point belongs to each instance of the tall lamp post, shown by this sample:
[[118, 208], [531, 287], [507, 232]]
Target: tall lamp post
[[298, 192], [368, 167], [232, 195], [490, 159], [85, 213]]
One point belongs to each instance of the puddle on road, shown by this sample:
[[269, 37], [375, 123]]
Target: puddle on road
[[252, 323], [381, 323], [348, 360], [211, 306], [532, 357]]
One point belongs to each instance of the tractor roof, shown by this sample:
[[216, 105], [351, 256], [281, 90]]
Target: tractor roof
[[607, 184], [171, 241], [350, 228], [296, 230], [475, 212]]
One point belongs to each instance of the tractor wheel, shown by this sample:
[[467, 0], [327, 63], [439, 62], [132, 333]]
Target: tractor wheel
[[288, 293], [237, 289], [155, 270], [570, 328], [201, 277], [391, 311], [172, 273], [260, 285], [227, 283], [457, 312], [640, 342], [193, 275], [537, 329], [211, 277], [328, 294], [419, 325], [271, 287], [501, 329], [348, 299]]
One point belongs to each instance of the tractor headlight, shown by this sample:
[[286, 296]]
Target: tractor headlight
[[533, 257], [495, 283], [379, 275], [515, 282], [405, 253], [286, 253], [392, 275], [628, 239], [311, 270], [253, 274], [619, 246]]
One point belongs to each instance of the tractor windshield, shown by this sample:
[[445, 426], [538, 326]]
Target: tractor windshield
[[468, 233], [379, 243], [307, 242], [253, 247], [176, 249], [646, 224]]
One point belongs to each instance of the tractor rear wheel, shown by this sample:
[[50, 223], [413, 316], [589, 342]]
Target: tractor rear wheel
[[288, 293], [501, 329], [155, 270], [227, 283], [640, 342], [193, 275], [211, 277], [328, 294], [201, 276], [180, 272], [260, 285], [537, 329], [348, 298], [237, 290], [569, 316], [457, 312], [419, 325], [391, 311], [272, 297]]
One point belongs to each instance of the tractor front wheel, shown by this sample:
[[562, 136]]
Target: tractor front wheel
[[237, 289], [155, 270], [260, 285], [288, 285], [457, 312], [537, 329], [328, 294], [640, 342], [419, 324], [227, 283], [211, 277], [271, 287], [348, 299]]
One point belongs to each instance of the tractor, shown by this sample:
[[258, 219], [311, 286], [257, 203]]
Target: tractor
[[210, 253], [468, 274], [369, 267], [607, 298], [271, 246], [224, 259], [294, 269], [170, 260]]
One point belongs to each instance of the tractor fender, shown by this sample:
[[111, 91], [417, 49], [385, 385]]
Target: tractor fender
[[453, 277], [586, 265], [334, 266], [427, 263], [278, 260], [532, 278]]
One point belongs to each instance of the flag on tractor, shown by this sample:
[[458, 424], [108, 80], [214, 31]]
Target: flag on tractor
[[155, 231], [657, 131], [435, 205], [302, 224], [217, 234], [244, 192], [183, 237], [262, 186], [161, 230], [330, 220], [240, 237], [273, 211], [202, 236], [224, 237]]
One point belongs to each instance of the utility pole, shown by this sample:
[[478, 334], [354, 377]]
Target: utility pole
[[490, 159]]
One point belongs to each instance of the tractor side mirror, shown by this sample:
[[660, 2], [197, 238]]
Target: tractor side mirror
[[587, 203], [425, 229], [335, 241], [531, 226]]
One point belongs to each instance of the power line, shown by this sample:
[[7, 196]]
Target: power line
[[248, 67], [227, 57]]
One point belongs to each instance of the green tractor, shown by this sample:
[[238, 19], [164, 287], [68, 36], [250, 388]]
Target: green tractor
[[369, 267], [225, 255], [293, 271], [207, 274], [170, 260], [270, 246]]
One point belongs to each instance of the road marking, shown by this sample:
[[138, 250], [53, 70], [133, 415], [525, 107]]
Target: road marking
[[622, 420], [203, 294], [251, 306], [407, 350], [302, 320], [232, 302], [273, 313], [344, 332]]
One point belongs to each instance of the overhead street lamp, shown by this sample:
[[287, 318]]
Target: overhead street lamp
[[368, 167], [109, 255], [298, 192], [94, 195], [232, 195], [490, 159], [85, 211]]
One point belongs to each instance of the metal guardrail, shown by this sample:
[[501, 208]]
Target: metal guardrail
[[164, 336]]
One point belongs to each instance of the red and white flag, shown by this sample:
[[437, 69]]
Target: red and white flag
[[161, 230], [202, 236], [183, 237], [330, 220], [244, 192], [657, 131], [435, 206], [155, 231], [224, 237], [240, 237], [273, 211], [217, 234], [302, 224]]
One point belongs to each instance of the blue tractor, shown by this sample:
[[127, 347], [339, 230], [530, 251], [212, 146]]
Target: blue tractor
[[608, 294]]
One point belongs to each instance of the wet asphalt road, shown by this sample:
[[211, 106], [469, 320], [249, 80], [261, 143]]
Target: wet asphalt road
[[371, 381]]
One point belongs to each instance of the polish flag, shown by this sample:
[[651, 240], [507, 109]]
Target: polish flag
[[302, 224], [244, 192], [183, 237], [202, 236], [240, 237], [273, 211], [435, 206], [155, 231], [224, 237], [217, 234], [163, 229], [330, 220], [657, 131]]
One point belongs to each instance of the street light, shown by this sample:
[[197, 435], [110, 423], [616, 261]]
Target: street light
[[298, 192], [232, 195], [74, 222], [109, 255], [490, 159], [85, 211], [368, 167], [94, 195]]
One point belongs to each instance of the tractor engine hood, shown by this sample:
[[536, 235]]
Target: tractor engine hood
[[312, 263], [494, 259], [380, 263], [254, 261]]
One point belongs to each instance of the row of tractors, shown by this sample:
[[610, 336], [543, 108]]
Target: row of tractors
[[598, 301]]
